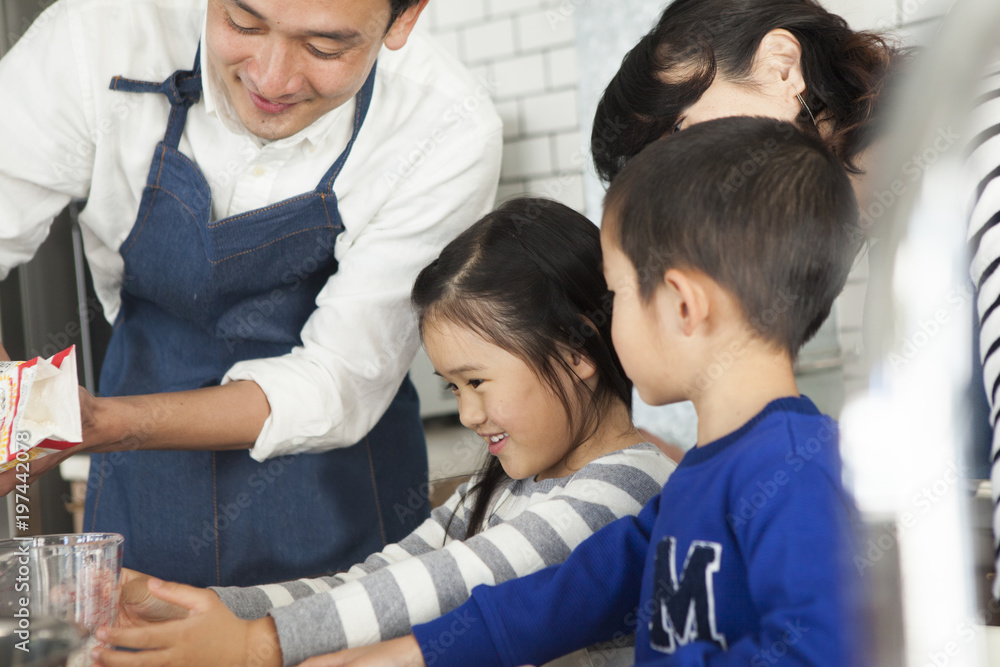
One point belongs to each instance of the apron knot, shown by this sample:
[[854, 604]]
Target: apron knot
[[182, 88]]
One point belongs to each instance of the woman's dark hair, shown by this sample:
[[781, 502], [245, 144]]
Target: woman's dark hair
[[695, 41], [528, 279]]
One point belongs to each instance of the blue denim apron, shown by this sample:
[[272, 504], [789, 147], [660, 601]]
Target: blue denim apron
[[197, 297]]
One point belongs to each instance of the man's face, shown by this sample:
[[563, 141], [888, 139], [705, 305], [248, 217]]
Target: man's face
[[286, 63]]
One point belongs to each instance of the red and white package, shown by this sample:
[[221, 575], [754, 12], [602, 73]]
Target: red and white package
[[39, 408]]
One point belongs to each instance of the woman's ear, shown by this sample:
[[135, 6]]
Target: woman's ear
[[689, 299], [401, 28], [778, 65]]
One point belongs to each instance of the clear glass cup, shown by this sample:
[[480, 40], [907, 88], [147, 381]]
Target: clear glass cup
[[74, 578]]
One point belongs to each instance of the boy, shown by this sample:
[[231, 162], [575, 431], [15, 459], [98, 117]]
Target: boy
[[725, 245]]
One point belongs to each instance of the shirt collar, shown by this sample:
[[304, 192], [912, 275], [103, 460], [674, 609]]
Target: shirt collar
[[218, 104]]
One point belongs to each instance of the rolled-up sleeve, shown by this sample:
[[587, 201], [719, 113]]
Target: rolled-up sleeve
[[47, 151]]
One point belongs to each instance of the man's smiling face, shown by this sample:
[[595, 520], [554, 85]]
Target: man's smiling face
[[286, 63]]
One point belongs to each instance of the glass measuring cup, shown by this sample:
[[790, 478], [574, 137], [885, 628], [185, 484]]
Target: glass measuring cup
[[69, 577]]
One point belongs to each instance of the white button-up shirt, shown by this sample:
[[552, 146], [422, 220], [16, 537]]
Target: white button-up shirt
[[424, 167]]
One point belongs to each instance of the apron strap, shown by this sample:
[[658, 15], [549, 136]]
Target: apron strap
[[363, 103], [182, 88]]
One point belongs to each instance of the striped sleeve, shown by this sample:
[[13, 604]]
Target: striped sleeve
[[253, 602], [540, 526], [984, 247]]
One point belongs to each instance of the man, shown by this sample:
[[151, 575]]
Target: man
[[260, 195]]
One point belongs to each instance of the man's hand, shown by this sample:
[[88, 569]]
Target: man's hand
[[9, 479]]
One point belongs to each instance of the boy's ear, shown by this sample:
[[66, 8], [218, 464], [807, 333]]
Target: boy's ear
[[692, 302], [778, 65]]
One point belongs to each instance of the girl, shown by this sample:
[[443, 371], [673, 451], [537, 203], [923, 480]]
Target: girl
[[515, 316]]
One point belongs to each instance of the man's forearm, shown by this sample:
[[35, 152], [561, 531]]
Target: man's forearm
[[227, 417]]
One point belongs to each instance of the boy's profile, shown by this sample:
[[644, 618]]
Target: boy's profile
[[745, 556]]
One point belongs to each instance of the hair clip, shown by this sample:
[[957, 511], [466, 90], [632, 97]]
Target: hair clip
[[806, 107]]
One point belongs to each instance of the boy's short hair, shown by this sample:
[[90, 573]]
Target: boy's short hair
[[762, 209]]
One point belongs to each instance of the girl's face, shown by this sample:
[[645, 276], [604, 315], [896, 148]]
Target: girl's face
[[519, 417]]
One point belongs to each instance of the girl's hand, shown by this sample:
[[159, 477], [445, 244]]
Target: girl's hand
[[402, 652], [209, 635], [139, 607]]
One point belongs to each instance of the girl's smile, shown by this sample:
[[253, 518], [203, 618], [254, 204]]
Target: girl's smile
[[503, 400], [496, 442]]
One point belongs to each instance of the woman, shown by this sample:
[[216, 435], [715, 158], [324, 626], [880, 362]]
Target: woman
[[705, 59]]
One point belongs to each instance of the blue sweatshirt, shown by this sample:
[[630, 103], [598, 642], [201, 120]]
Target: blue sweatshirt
[[744, 558]]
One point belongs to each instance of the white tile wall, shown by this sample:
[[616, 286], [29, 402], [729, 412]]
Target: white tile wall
[[526, 50], [488, 41], [517, 77], [524, 158]]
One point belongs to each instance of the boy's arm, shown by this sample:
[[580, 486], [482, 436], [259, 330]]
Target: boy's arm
[[590, 598], [798, 551]]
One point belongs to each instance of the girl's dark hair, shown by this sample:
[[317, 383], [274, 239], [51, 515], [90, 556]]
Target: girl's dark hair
[[528, 279], [845, 73]]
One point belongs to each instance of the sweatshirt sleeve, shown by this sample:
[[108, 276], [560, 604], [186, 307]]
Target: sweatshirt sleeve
[[429, 574], [590, 598]]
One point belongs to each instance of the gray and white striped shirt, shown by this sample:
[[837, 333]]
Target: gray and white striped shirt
[[531, 525]]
